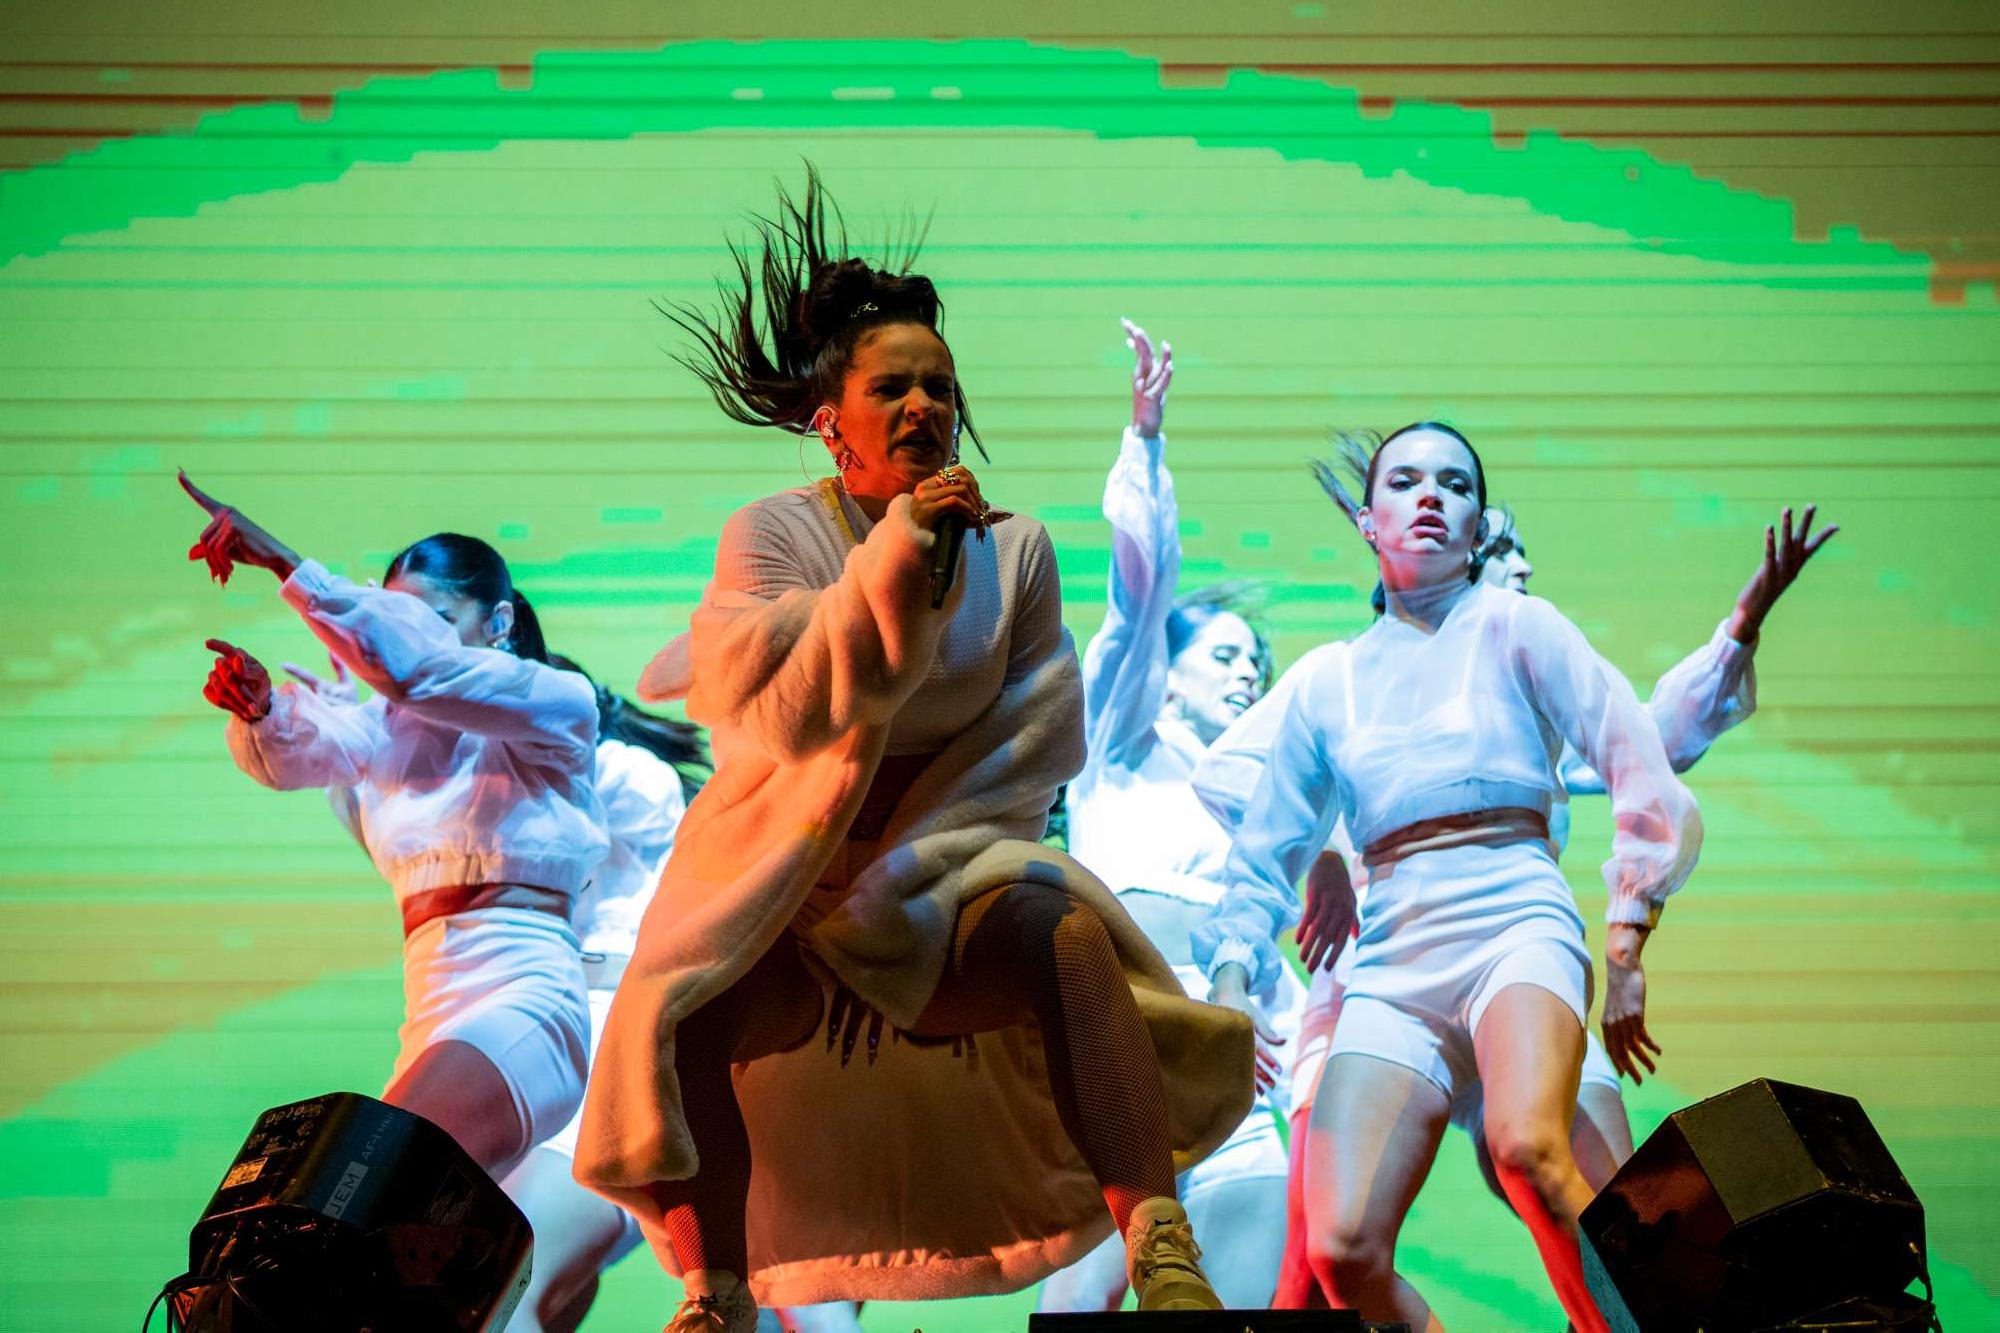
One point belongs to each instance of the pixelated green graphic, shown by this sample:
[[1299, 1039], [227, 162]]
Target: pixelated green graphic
[[958, 85], [432, 309]]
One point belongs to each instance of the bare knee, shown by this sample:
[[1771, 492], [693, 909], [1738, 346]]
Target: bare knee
[[1350, 1259], [1535, 1154], [1041, 913]]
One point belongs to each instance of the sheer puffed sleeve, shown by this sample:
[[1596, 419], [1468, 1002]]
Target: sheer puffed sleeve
[[1125, 663], [408, 654], [1592, 706], [1230, 768], [1284, 826], [304, 741], [1703, 695]]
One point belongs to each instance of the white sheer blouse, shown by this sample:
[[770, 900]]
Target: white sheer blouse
[[1401, 725]]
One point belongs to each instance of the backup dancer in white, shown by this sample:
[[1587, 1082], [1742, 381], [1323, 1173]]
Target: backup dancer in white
[[472, 773], [1436, 736], [1710, 691], [645, 767], [1162, 678]]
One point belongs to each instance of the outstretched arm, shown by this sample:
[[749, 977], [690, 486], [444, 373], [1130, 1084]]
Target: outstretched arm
[[408, 654], [1785, 555], [1125, 664], [1658, 829], [1586, 700], [1715, 687], [404, 650], [230, 539]]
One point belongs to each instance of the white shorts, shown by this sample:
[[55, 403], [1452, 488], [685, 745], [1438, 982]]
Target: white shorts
[[1443, 933], [508, 982], [564, 1139], [1316, 1025]]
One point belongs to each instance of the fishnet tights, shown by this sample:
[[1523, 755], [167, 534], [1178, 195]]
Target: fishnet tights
[[1021, 953]]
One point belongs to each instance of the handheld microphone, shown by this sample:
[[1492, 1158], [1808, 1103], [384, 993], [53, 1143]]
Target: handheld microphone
[[944, 557]]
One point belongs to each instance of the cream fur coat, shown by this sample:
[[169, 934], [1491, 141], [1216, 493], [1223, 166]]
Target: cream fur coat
[[923, 1174]]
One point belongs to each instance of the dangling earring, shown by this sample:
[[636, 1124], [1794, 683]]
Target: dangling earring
[[844, 459]]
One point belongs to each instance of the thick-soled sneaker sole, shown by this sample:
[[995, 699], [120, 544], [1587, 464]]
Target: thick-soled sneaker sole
[[1177, 1289]]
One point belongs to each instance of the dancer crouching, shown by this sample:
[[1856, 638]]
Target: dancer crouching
[[883, 771]]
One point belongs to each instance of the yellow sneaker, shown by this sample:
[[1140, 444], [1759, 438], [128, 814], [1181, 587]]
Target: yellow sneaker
[[1162, 1260]]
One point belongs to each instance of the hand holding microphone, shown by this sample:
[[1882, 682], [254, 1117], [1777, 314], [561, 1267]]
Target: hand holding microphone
[[947, 504]]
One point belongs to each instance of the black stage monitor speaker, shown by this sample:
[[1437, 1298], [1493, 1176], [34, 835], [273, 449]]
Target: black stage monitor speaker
[[343, 1213], [1752, 1210], [1210, 1321]]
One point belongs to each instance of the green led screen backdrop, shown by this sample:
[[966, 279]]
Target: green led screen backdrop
[[374, 270]]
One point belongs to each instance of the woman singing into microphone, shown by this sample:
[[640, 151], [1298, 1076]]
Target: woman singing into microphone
[[1033, 1074]]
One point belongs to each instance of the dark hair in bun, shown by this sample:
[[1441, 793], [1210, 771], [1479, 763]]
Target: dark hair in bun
[[1358, 454], [788, 326], [468, 567], [1192, 611], [619, 719]]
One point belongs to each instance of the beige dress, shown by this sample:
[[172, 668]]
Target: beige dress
[[923, 1174]]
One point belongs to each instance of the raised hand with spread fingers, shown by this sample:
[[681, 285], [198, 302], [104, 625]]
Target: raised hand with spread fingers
[[1150, 377], [1786, 551]]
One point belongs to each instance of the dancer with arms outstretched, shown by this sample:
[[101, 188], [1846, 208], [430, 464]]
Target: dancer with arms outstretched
[[471, 772], [1436, 736]]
